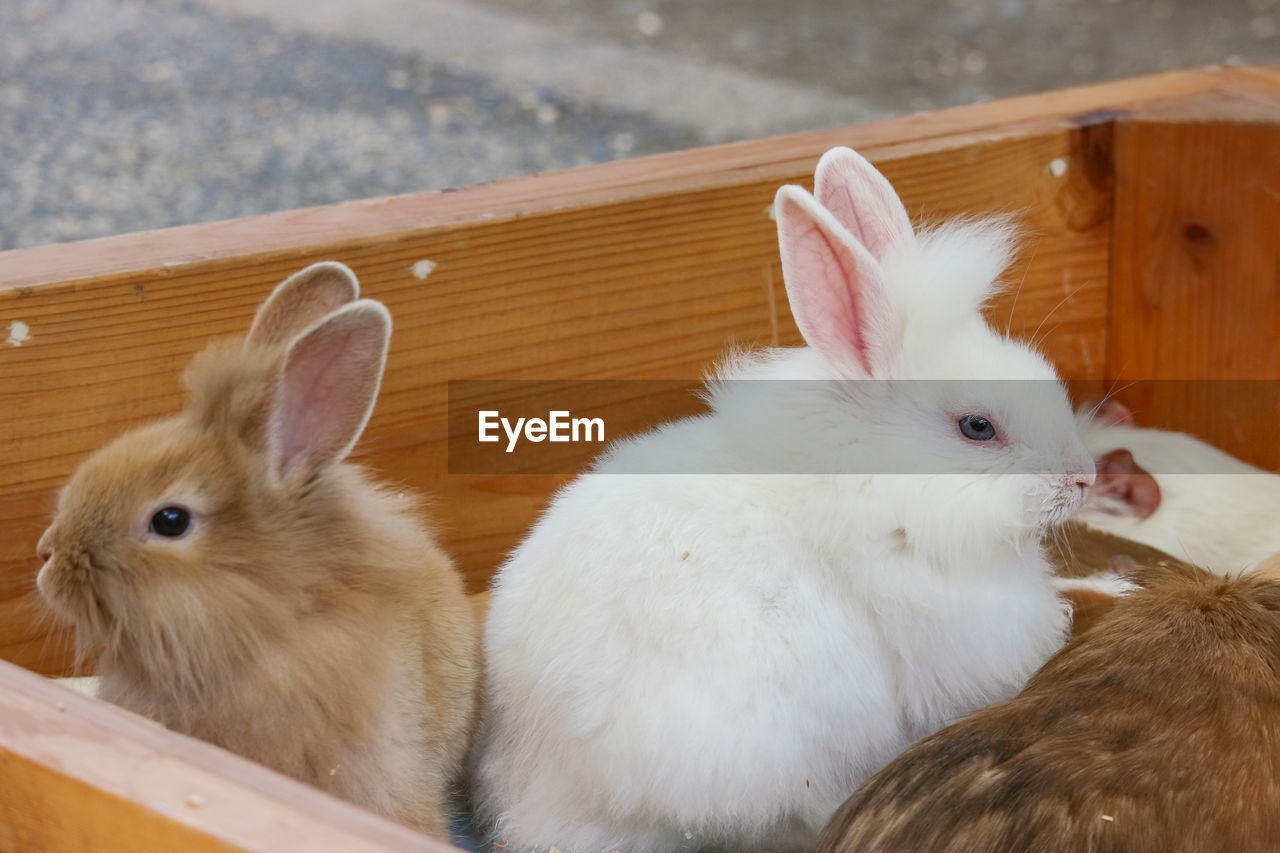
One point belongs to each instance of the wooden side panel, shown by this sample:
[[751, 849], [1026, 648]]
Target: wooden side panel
[[1195, 299], [387, 219], [652, 286], [81, 776], [645, 269]]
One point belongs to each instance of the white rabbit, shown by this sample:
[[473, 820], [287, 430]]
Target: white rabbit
[[692, 660], [1177, 493]]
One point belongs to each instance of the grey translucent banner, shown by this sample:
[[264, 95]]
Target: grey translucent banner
[[853, 427]]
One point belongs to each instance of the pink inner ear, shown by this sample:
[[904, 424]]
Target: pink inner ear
[[307, 398], [862, 200], [821, 261], [1127, 487], [833, 284], [1112, 413], [327, 387]]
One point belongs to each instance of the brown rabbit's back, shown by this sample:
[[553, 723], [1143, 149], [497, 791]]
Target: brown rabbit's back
[[1077, 550], [431, 638], [448, 634], [1157, 730]]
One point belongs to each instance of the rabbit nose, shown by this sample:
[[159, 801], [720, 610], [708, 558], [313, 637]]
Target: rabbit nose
[[44, 548], [42, 577], [1082, 482]]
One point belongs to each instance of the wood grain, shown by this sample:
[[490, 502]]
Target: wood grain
[[646, 269], [388, 219], [654, 287], [81, 776], [1195, 299], [1148, 208]]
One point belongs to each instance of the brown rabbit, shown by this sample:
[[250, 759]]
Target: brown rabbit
[[1076, 550], [1086, 562], [1156, 730], [246, 586]]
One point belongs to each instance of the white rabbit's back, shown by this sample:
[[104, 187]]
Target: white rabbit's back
[[653, 686], [649, 680], [1215, 511]]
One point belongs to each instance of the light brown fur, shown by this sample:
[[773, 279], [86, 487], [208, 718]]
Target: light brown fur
[[1078, 551], [1156, 730], [310, 623]]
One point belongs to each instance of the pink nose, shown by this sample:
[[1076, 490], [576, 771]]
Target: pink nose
[[1079, 483]]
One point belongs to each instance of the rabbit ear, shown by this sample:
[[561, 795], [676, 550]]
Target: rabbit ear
[[862, 200], [1127, 488], [1110, 412], [300, 300], [836, 288], [326, 385]]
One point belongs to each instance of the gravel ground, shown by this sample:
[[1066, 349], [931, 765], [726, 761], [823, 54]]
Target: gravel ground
[[913, 55], [121, 115]]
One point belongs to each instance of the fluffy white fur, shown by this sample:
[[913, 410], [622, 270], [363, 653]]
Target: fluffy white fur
[[1106, 583], [1215, 511], [715, 661]]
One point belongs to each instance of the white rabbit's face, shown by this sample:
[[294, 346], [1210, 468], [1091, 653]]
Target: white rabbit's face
[[1036, 452], [1002, 447], [979, 425]]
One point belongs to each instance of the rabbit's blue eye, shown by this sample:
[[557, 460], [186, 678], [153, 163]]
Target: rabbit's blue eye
[[172, 521], [977, 428]]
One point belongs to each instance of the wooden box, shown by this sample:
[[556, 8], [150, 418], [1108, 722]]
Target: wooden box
[[1151, 209]]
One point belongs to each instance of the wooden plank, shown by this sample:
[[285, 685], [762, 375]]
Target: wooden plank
[[1196, 280], [81, 776], [157, 253], [652, 287], [636, 270], [643, 269]]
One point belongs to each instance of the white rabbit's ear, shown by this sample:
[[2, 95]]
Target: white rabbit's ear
[[1109, 412], [1124, 487], [835, 287], [862, 200], [326, 386], [300, 300]]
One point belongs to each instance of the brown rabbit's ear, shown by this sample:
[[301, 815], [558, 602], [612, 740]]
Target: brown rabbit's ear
[[301, 300], [326, 386]]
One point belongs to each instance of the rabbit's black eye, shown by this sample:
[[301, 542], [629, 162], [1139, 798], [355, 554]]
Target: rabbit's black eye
[[977, 428], [172, 521]]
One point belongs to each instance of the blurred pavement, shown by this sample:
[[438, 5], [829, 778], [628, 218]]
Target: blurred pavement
[[120, 115]]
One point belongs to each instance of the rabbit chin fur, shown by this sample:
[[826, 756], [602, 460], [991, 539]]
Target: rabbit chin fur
[[700, 661], [1215, 511]]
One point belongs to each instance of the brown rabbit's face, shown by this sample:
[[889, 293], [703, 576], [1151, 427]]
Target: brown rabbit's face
[[196, 538], [129, 544]]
